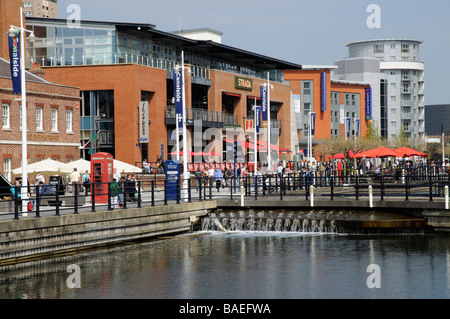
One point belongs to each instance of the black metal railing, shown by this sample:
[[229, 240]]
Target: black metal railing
[[153, 191]]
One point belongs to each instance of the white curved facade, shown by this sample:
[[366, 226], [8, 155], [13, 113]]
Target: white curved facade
[[398, 84]]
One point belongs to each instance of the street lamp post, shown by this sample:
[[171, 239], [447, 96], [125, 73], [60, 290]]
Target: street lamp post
[[12, 32]]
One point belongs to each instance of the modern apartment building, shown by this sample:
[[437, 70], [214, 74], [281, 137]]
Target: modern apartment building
[[118, 65], [394, 70], [40, 8]]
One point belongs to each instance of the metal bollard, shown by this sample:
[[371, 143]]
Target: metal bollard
[[370, 196], [242, 195], [446, 196], [311, 195]]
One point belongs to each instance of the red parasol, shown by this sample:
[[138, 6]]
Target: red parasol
[[379, 152], [406, 152]]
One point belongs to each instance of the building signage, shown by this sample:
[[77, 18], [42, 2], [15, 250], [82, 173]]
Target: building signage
[[258, 118], [249, 125], [323, 91], [178, 96], [14, 61], [357, 127], [313, 123], [243, 83], [368, 103], [347, 127], [143, 122], [341, 114], [264, 110]]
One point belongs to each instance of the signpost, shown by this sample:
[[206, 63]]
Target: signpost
[[172, 179]]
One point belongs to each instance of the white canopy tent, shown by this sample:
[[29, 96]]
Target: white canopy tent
[[82, 165], [47, 165]]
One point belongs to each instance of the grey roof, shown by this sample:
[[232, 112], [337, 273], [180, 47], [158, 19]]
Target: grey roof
[[384, 40], [5, 72], [210, 47]]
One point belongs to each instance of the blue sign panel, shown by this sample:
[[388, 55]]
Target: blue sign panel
[[323, 91], [264, 102], [14, 56], [172, 178], [368, 103], [347, 127], [258, 118], [178, 96], [313, 123]]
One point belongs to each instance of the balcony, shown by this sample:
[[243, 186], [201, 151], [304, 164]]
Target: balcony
[[209, 118]]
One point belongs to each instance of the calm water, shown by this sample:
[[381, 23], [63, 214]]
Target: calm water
[[256, 265]]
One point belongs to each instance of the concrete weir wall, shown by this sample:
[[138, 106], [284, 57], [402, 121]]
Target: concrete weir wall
[[31, 238]]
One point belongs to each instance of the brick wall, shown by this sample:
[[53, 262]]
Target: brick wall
[[43, 144]]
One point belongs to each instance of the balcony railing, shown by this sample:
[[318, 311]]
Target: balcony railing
[[193, 114]]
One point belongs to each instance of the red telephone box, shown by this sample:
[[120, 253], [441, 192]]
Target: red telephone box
[[101, 173]]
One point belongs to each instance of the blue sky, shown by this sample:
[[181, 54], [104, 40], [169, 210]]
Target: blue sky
[[299, 31]]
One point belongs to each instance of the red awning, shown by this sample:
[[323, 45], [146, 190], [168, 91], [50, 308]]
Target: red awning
[[272, 147], [406, 151], [232, 94], [245, 144]]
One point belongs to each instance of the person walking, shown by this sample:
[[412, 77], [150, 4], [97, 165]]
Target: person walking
[[218, 176], [115, 190], [198, 178]]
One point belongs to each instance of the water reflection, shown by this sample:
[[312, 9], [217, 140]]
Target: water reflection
[[246, 265]]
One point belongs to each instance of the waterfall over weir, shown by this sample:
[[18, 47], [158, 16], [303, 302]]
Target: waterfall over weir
[[311, 221]]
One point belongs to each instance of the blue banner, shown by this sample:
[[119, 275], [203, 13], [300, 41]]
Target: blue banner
[[14, 56], [264, 107], [313, 123], [178, 96], [347, 127], [323, 91], [258, 118], [368, 103]]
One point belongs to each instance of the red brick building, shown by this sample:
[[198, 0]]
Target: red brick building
[[53, 121]]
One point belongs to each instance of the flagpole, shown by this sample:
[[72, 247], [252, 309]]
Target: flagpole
[[24, 117], [184, 125], [177, 135], [269, 155], [256, 140]]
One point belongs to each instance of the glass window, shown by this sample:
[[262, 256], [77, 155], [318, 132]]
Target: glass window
[[69, 121], [54, 118], [5, 116], [39, 119], [7, 168]]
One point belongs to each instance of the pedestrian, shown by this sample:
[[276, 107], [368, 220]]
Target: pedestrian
[[115, 190], [122, 191], [130, 189], [198, 178], [218, 176], [86, 182], [74, 179]]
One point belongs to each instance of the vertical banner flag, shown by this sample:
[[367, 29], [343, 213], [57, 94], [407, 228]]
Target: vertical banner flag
[[14, 61], [357, 123], [143, 122], [347, 127], [313, 123], [368, 103], [264, 107], [323, 91], [258, 118], [178, 95]]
